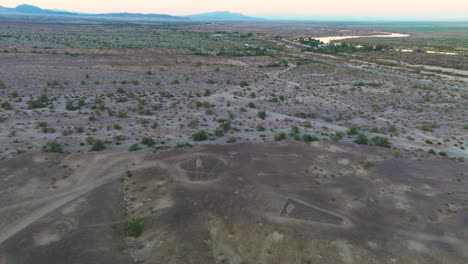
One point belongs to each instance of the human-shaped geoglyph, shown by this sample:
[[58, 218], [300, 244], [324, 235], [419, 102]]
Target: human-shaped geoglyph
[[289, 209], [199, 170]]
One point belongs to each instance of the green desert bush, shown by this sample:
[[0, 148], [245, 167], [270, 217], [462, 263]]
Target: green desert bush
[[53, 146], [280, 136], [361, 138], [96, 144], [309, 138], [199, 135], [380, 141], [133, 226], [261, 114], [232, 139], [148, 141], [134, 147]]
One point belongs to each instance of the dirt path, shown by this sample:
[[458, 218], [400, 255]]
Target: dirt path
[[104, 168]]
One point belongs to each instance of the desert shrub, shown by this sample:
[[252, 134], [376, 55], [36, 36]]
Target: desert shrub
[[122, 114], [294, 131], [262, 114], [193, 123], [429, 126], [337, 137], [96, 144], [225, 125], [143, 121], [361, 138], [199, 135], [219, 132], [396, 153], [207, 92], [183, 145], [121, 99], [33, 104], [392, 129], [133, 226], [81, 102], [232, 139], [45, 127], [148, 141], [134, 147], [300, 115], [2, 85], [48, 130], [380, 141], [375, 107], [243, 83], [70, 106], [53, 146], [309, 138], [251, 105], [307, 124], [6, 105], [40, 102], [353, 130], [367, 164], [260, 128], [280, 136]]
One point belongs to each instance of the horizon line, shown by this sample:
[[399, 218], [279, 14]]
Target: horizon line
[[281, 16]]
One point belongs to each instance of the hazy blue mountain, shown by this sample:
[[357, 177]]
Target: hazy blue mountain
[[211, 16], [223, 16], [34, 10]]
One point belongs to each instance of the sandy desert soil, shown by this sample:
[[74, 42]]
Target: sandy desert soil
[[244, 203]]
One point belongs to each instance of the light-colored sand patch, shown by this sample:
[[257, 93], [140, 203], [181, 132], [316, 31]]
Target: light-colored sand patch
[[164, 202], [277, 237], [344, 250], [344, 161], [46, 237], [417, 246]]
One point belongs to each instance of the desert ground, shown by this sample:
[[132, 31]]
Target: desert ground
[[287, 202], [232, 143]]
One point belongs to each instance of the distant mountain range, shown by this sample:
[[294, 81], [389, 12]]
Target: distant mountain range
[[211, 16], [223, 16]]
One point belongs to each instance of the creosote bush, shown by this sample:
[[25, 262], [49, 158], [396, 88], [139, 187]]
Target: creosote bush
[[133, 226], [199, 135], [53, 146]]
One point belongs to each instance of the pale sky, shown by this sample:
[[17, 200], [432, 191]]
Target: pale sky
[[451, 9]]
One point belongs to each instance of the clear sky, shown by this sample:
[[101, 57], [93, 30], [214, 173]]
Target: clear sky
[[436, 9]]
